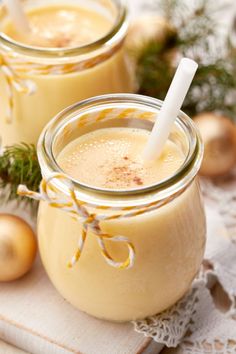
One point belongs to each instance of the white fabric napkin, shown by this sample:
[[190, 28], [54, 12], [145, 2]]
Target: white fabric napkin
[[196, 323]]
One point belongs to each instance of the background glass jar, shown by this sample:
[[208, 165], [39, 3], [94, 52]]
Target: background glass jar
[[168, 239], [37, 83]]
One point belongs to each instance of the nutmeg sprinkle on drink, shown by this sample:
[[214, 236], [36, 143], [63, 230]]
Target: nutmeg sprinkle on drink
[[111, 158]]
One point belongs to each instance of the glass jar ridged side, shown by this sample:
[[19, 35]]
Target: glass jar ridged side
[[168, 237], [36, 83]]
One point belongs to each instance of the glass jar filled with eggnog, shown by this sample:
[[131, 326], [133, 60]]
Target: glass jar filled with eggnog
[[121, 239], [73, 50]]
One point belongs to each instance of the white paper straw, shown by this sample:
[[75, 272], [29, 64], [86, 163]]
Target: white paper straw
[[170, 108], [17, 15]]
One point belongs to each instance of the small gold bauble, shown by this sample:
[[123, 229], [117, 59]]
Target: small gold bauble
[[17, 247], [219, 137], [148, 28]]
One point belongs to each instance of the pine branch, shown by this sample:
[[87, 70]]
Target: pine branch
[[19, 165], [193, 33], [196, 36]]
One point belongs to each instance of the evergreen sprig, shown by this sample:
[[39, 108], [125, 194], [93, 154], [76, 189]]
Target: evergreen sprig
[[193, 33], [19, 165], [196, 36]]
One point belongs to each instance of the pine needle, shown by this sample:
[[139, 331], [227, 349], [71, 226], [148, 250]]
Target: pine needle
[[196, 36], [19, 165]]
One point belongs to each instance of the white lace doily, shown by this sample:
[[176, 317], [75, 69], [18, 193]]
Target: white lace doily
[[196, 323]]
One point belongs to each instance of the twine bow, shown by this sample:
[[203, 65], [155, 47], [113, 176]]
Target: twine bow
[[13, 80], [78, 210]]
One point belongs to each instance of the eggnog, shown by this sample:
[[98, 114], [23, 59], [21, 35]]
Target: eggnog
[[61, 27], [73, 52], [169, 241], [112, 158]]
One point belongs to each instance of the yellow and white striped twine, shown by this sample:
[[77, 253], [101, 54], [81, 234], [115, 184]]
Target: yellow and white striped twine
[[79, 210], [17, 72]]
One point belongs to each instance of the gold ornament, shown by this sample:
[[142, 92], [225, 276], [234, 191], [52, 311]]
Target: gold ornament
[[17, 247], [148, 28], [219, 137]]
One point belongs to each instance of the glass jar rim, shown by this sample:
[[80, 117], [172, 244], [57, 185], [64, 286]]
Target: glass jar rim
[[183, 176], [115, 35]]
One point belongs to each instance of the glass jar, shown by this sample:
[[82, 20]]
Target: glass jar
[[37, 83], [167, 232]]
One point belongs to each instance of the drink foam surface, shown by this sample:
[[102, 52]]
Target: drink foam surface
[[111, 158], [61, 27]]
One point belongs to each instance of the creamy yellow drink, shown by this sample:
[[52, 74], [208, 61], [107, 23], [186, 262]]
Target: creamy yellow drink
[[169, 241], [61, 27], [112, 158], [70, 56]]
